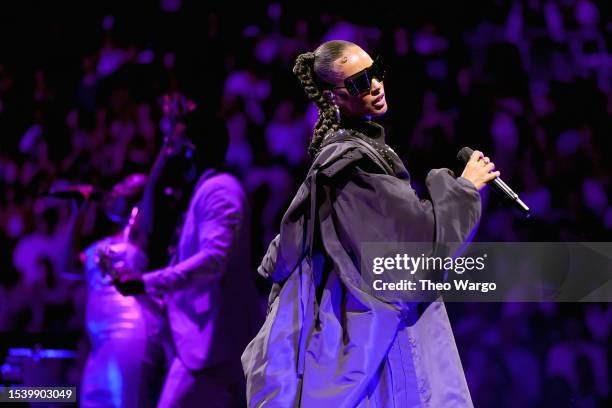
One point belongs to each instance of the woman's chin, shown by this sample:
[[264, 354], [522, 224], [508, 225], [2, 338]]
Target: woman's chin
[[378, 110]]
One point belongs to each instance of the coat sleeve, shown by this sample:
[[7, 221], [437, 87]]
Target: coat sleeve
[[456, 204], [378, 207], [384, 210]]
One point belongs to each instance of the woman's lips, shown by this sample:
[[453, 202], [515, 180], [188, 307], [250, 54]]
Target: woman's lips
[[379, 102]]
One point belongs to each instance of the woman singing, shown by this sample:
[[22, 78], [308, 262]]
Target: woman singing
[[326, 342]]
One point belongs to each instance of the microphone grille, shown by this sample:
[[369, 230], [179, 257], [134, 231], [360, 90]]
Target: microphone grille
[[465, 154]]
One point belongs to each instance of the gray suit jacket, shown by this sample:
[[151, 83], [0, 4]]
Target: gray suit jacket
[[213, 307]]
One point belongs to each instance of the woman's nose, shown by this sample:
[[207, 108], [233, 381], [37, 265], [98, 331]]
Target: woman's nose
[[376, 87]]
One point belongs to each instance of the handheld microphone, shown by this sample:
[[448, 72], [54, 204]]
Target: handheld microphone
[[496, 184]]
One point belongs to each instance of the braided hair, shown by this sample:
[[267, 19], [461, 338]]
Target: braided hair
[[315, 70]]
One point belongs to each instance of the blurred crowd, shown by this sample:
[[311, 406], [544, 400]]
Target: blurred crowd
[[529, 82]]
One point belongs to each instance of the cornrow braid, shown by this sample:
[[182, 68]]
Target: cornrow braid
[[307, 71]]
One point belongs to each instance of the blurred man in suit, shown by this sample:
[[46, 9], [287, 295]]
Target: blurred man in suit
[[212, 305]]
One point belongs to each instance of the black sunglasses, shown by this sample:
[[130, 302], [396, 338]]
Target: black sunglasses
[[362, 81]]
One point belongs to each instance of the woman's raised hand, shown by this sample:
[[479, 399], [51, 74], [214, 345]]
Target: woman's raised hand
[[479, 170]]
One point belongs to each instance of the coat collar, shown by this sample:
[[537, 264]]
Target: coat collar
[[366, 127]]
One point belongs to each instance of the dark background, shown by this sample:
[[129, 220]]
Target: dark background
[[526, 81]]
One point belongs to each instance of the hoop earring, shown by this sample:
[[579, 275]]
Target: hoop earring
[[337, 109]]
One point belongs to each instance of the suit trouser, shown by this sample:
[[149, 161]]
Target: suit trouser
[[211, 387]]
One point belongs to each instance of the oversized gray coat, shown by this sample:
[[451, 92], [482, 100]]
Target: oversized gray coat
[[328, 343]]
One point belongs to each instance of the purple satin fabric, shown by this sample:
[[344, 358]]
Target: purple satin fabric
[[126, 363]]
